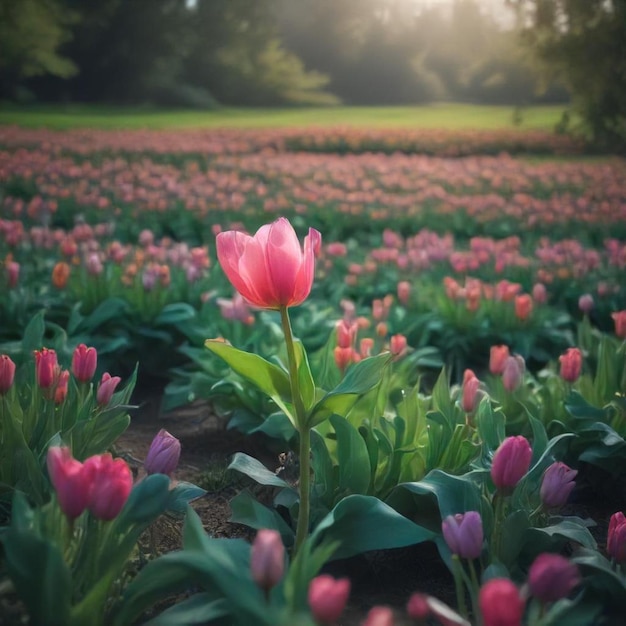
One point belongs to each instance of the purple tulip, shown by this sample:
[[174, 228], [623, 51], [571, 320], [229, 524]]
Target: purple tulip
[[267, 561], [552, 577], [464, 534], [163, 454], [557, 484]]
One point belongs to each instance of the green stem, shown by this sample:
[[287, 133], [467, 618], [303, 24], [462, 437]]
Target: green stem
[[475, 588], [457, 572], [302, 527]]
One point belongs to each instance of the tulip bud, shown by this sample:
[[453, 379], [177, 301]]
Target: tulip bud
[[60, 391], [112, 482], [7, 373], [616, 540], [46, 367], [71, 482], [540, 294], [510, 462], [84, 363], [267, 561], [343, 357], [586, 303], [571, 365], [513, 372], [463, 534], [346, 333], [163, 454], [620, 323], [379, 616], [418, 608], [106, 388], [497, 358], [469, 391], [328, 597], [397, 344], [523, 306], [557, 484], [13, 273], [501, 603], [552, 577], [404, 291]]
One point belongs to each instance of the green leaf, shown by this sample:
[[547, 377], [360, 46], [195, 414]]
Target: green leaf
[[175, 314], [201, 608], [33, 334], [363, 523], [352, 457], [40, 575], [148, 499], [109, 309], [269, 378], [181, 495], [359, 379], [256, 470], [322, 465], [246, 510]]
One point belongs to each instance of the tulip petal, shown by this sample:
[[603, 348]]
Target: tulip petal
[[284, 260], [312, 244]]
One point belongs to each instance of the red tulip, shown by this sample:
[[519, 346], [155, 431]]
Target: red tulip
[[60, 391], [552, 577], [267, 560], [7, 373], [497, 358], [328, 597], [523, 306], [501, 603], [397, 344], [46, 367], [106, 388], [510, 462], [84, 363], [470, 388], [112, 482], [571, 364], [620, 323], [270, 270], [71, 482]]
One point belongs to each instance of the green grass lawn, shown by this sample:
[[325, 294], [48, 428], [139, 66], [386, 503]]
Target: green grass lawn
[[455, 116]]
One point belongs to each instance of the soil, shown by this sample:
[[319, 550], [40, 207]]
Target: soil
[[378, 578]]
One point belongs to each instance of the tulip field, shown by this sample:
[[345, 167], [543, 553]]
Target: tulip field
[[410, 343]]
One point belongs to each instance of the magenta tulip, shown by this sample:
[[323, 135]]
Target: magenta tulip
[[510, 462], [7, 373], [46, 367], [463, 534], [616, 540], [112, 482], [71, 482], [557, 484], [552, 577], [501, 603], [270, 270], [106, 388], [328, 597]]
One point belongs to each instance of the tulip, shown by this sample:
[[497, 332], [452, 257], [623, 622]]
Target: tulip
[[497, 358], [328, 597], [71, 482], [343, 357], [523, 306], [163, 454], [540, 293], [346, 333], [379, 616], [106, 388], [552, 577], [270, 270], [417, 607], [510, 462], [557, 484], [513, 372], [463, 534], [112, 482], [620, 323], [84, 363], [397, 344], [501, 603], [60, 391], [13, 273], [267, 560], [616, 540], [571, 365], [404, 291], [586, 303], [60, 275], [469, 391], [7, 373], [46, 367]]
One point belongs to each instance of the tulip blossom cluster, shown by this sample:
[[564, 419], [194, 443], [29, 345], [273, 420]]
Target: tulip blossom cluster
[[101, 484]]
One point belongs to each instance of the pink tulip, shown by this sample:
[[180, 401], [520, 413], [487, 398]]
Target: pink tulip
[[552, 577], [106, 388], [404, 291], [267, 560], [112, 482], [379, 616], [557, 484], [571, 365], [84, 363], [470, 388], [523, 306], [328, 597], [7, 373], [13, 273], [45, 367], [616, 539], [270, 270], [417, 607], [513, 372], [60, 390], [497, 358], [397, 344], [163, 454], [540, 293], [586, 303], [620, 323], [501, 603], [71, 482], [510, 462]]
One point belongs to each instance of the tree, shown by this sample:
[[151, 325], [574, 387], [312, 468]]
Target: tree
[[583, 43]]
